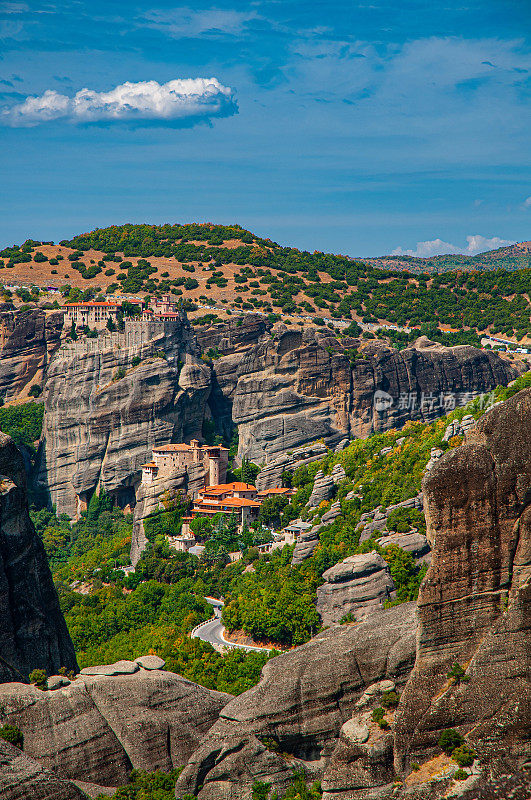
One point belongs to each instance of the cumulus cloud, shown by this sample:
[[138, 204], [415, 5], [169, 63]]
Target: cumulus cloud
[[437, 247], [186, 100]]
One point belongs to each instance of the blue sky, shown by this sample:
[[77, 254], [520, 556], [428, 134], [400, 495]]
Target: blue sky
[[353, 127]]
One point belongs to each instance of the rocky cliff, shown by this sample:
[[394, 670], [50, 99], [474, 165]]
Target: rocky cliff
[[28, 340], [293, 387], [474, 606], [33, 633], [109, 400]]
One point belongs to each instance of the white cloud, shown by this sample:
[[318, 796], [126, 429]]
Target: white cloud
[[479, 244], [527, 202], [185, 22], [185, 99], [437, 247]]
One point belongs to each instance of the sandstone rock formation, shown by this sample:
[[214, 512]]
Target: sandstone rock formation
[[28, 340], [474, 605], [103, 413], [298, 707], [414, 543], [358, 585], [323, 489], [150, 498], [376, 520], [23, 778], [301, 386], [305, 545], [33, 632], [100, 726], [270, 475]]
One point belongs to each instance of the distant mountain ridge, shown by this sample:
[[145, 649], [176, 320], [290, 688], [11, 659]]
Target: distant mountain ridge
[[515, 256]]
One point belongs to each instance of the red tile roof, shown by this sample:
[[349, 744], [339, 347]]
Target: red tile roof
[[222, 488], [89, 304]]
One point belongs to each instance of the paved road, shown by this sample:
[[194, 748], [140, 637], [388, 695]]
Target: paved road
[[212, 631]]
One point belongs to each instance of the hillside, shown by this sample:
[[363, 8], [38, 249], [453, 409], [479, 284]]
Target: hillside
[[229, 268], [516, 256]]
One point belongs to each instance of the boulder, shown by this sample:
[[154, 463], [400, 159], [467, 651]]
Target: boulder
[[361, 762], [323, 489], [33, 633], [338, 474], [414, 543], [298, 708], [151, 662], [100, 726], [305, 545], [118, 668], [358, 585]]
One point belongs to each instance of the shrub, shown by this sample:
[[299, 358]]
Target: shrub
[[457, 674], [35, 390], [378, 714], [39, 678], [13, 735], [460, 775], [463, 755], [39, 258], [345, 620], [119, 374], [135, 361], [390, 699], [449, 740]]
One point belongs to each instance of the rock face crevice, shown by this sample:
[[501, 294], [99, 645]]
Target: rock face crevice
[[109, 400], [33, 633]]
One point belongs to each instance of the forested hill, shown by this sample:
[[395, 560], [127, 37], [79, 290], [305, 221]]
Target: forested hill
[[230, 268], [516, 256]]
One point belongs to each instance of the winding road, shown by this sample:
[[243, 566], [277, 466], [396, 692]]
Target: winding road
[[212, 631]]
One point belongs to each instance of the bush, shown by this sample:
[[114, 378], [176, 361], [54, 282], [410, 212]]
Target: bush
[[39, 678], [390, 699], [13, 735], [449, 740], [463, 755], [378, 714], [347, 619], [457, 674], [35, 390], [460, 775]]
